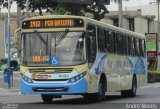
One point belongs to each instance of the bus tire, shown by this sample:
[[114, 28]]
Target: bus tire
[[101, 88], [132, 91], [47, 98]]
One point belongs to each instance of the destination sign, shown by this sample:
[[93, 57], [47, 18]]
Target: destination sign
[[52, 23]]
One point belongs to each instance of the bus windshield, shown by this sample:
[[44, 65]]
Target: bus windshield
[[39, 48]]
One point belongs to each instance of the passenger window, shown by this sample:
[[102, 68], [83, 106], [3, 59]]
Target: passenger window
[[136, 43], [111, 41], [129, 45], [132, 48], [101, 39], [106, 38], [143, 48], [138, 47], [119, 42], [125, 44]]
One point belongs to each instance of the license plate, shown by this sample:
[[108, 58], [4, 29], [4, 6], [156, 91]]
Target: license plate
[[42, 76]]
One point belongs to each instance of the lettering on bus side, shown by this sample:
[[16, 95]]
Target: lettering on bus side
[[118, 64]]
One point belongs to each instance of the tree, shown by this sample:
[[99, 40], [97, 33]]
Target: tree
[[96, 7], [1, 1]]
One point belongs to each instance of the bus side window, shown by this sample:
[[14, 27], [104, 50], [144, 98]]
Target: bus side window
[[106, 40], [132, 46], [119, 42], [101, 39], [129, 45], [143, 48], [91, 44], [136, 46], [111, 41], [125, 44]]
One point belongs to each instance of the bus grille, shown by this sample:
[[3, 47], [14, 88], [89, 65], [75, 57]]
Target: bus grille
[[51, 70], [55, 89]]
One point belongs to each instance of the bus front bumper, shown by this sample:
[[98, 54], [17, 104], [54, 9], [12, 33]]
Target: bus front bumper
[[78, 87]]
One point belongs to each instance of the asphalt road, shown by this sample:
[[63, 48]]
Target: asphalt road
[[148, 97]]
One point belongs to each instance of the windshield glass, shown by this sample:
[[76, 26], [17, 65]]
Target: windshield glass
[[50, 49]]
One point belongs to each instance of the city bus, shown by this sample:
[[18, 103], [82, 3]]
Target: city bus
[[74, 55]]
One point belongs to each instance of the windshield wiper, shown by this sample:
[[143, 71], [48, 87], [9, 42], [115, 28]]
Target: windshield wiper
[[62, 37]]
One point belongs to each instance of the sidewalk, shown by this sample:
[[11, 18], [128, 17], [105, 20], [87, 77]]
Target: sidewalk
[[8, 92], [4, 90]]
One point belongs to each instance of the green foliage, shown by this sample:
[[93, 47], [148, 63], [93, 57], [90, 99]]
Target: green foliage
[[98, 9], [14, 64], [3, 61], [60, 10], [1, 1], [154, 76], [4, 3]]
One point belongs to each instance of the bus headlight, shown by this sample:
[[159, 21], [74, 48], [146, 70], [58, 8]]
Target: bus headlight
[[26, 78], [76, 78]]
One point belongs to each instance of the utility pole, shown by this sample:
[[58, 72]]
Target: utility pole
[[19, 19], [158, 9], [120, 13], [9, 55], [8, 30], [158, 58]]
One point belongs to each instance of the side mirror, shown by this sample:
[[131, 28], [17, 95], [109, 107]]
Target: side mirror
[[16, 38]]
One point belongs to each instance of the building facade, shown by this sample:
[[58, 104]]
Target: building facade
[[133, 21], [4, 35], [2, 40]]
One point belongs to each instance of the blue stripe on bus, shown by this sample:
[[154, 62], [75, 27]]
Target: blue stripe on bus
[[138, 65]]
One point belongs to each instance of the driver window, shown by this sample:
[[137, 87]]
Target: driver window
[[91, 44]]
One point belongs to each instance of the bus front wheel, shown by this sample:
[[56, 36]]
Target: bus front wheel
[[46, 98], [101, 90]]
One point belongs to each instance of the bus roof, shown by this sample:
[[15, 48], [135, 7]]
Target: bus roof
[[95, 22], [122, 30], [54, 16]]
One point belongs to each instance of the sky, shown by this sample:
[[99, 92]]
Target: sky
[[111, 7]]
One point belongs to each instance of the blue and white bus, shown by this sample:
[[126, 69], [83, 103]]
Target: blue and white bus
[[74, 55]]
